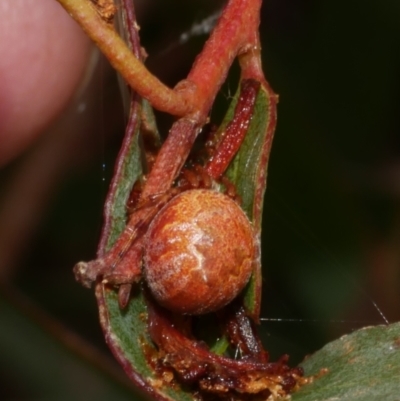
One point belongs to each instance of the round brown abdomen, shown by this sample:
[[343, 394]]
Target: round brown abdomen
[[198, 252]]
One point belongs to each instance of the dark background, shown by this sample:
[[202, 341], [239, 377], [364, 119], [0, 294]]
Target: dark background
[[331, 233]]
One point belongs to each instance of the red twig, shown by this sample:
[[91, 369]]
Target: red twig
[[235, 34]]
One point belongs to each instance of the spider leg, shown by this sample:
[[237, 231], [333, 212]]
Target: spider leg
[[108, 266]]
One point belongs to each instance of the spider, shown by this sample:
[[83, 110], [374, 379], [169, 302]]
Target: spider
[[203, 262]]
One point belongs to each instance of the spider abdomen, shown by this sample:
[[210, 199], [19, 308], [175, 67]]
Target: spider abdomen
[[199, 251]]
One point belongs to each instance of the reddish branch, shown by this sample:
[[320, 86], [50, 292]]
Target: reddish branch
[[235, 132], [235, 34]]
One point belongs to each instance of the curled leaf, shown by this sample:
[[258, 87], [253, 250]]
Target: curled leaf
[[127, 331]]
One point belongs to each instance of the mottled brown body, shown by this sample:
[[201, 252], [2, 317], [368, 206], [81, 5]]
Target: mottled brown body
[[199, 252]]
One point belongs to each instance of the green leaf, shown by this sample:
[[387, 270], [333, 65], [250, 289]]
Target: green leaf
[[244, 171], [248, 172], [126, 335], [362, 366]]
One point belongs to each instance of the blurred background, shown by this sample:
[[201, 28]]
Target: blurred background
[[331, 229]]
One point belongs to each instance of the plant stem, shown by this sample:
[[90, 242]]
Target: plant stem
[[122, 59], [235, 33]]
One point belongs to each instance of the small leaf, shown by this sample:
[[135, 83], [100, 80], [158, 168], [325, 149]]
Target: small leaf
[[362, 366], [245, 170], [248, 172]]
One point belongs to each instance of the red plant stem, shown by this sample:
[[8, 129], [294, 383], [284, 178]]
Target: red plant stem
[[234, 34], [123, 60], [250, 64], [237, 24], [132, 28], [236, 130]]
